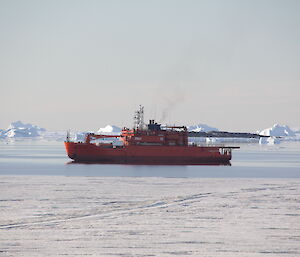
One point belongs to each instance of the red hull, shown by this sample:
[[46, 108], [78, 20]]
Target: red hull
[[139, 154]]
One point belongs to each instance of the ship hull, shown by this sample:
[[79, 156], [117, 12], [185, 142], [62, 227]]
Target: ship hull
[[138, 154]]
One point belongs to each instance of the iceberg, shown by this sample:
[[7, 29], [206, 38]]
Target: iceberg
[[201, 128], [20, 125], [278, 131], [269, 140], [107, 130], [110, 129], [19, 129]]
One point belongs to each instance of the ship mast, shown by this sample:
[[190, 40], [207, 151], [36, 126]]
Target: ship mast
[[139, 118]]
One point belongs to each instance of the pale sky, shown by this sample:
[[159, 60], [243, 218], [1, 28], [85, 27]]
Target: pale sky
[[234, 65]]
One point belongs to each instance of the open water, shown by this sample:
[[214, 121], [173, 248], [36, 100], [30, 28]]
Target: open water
[[51, 207], [49, 158]]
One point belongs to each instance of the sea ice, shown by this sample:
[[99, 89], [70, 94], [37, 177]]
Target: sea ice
[[102, 216]]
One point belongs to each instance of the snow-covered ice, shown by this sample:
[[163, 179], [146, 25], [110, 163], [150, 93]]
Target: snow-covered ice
[[277, 131], [269, 140], [110, 129], [20, 129], [201, 128], [102, 216], [20, 125], [277, 134], [149, 210]]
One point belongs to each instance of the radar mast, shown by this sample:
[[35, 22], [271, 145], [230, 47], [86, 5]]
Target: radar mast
[[139, 118]]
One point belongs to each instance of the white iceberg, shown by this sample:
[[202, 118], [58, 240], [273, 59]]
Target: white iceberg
[[20, 129], [20, 125], [110, 129], [277, 131], [201, 128], [269, 140]]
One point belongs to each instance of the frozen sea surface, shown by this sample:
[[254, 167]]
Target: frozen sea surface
[[51, 208], [102, 216]]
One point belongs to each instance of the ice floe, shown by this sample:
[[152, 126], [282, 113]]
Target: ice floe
[[149, 216]]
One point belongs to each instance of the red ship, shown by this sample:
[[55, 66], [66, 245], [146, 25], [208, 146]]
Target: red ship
[[150, 144]]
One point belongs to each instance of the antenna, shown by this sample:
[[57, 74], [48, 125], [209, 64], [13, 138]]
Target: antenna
[[139, 118]]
